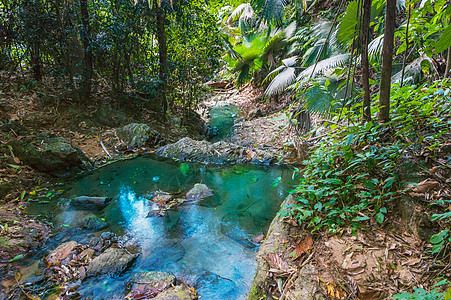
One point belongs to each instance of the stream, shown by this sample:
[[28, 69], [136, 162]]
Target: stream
[[207, 244]]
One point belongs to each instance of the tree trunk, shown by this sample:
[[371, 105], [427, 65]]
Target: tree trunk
[[387, 57], [163, 56], [36, 63], [365, 63], [448, 64], [87, 51]]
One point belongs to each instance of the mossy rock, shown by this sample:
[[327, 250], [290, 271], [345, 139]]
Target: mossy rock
[[136, 135], [52, 155]]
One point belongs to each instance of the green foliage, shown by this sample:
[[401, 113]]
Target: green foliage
[[422, 294], [351, 177]]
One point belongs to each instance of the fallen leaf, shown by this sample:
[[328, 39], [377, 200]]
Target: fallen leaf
[[16, 160], [277, 263], [411, 262], [304, 246]]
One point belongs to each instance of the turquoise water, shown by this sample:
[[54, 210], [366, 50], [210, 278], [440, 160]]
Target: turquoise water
[[222, 118], [207, 244]]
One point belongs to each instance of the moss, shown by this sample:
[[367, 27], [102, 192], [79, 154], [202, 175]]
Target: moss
[[256, 293], [4, 242]]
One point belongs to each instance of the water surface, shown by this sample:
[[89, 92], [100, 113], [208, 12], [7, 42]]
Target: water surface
[[208, 245]]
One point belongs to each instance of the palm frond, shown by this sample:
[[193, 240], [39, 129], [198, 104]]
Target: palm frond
[[284, 79], [324, 65], [244, 75], [288, 62], [318, 100], [348, 26], [243, 12], [272, 11], [321, 28], [375, 47], [414, 71], [290, 30]]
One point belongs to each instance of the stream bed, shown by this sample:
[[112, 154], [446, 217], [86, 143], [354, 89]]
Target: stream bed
[[207, 245]]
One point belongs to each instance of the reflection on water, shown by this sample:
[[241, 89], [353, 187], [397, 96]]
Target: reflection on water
[[207, 244]]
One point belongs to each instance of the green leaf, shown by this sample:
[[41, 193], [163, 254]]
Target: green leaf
[[448, 294], [437, 248], [439, 237], [380, 217], [445, 41], [359, 219], [16, 258]]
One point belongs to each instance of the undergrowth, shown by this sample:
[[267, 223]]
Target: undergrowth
[[352, 176]]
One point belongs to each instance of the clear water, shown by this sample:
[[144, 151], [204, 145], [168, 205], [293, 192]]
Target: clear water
[[223, 118], [207, 245]]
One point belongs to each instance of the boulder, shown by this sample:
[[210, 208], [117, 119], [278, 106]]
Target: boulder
[[179, 292], [91, 202], [61, 253], [151, 283], [198, 192], [53, 155], [278, 232], [113, 261], [190, 150], [136, 135], [93, 222]]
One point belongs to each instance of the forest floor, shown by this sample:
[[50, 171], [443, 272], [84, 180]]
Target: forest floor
[[380, 262]]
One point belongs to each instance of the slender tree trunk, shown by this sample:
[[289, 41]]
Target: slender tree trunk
[[36, 63], [405, 52], [387, 57], [87, 51], [448, 64], [364, 59], [163, 56]]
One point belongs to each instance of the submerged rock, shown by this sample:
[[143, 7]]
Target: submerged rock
[[136, 135], [198, 192], [179, 292], [91, 202], [113, 261], [161, 197], [187, 149], [53, 155], [151, 283], [108, 236], [61, 253], [93, 222]]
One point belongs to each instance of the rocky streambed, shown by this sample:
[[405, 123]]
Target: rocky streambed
[[150, 227]]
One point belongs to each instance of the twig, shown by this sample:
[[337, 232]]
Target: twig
[[308, 259], [20, 287], [285, 289], [104, 149]]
